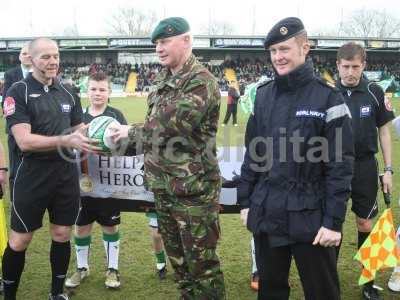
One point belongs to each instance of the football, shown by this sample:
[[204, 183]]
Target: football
[[100, 130]]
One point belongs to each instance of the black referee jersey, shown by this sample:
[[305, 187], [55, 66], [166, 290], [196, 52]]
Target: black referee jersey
[[51, 110], [369, 111]]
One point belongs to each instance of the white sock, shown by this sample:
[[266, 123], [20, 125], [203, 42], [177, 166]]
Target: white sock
[[253, 257], [397, 269], [82, 256], [112, 252]]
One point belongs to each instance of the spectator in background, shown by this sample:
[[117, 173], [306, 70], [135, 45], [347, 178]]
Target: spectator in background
[[231, 107], [10, 77], [19, 72]]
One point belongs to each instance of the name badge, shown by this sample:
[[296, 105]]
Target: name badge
[[365, 111], [65, 108], [310, 114]]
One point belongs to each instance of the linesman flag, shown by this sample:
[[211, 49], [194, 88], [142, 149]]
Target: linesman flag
[[3, 227], [379, 249]]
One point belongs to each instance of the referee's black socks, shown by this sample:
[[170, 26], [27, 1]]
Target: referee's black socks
[[60, 254], [12, 267], [362, 236]]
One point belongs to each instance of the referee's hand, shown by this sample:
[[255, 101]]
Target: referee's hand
[[78, 140], [327, 238], [387, 182]]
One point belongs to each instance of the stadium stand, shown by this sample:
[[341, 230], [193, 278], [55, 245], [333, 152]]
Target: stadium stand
[[243, 56]]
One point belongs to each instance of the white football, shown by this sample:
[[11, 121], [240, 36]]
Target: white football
[[99, 129]]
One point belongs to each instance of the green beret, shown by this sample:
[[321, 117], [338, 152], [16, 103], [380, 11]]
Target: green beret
[[170, 27], [284, 30]]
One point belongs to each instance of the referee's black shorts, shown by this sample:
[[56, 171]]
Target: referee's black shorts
[[364, 188], [41, 185]]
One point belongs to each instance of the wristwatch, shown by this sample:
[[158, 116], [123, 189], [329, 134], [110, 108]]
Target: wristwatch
[[388, 169]]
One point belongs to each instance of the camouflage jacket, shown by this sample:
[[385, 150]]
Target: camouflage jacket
[[179, 133]]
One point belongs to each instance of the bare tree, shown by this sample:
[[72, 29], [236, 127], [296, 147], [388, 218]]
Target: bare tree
[[218, 28], [132, 22], [71, 30], [371, 23], [324, 32]]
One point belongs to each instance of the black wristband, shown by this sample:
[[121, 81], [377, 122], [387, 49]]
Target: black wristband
[[388, 169]]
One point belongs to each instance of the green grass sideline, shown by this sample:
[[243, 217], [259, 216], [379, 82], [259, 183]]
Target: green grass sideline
[[137, 265]]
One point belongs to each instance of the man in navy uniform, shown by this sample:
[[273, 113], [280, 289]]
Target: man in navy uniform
[[296, 174]]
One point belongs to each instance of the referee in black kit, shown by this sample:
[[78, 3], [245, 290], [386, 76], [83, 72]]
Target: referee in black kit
[[371, 115], [41, 114]]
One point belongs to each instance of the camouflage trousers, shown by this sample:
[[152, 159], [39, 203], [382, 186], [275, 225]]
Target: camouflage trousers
[[190, 235]]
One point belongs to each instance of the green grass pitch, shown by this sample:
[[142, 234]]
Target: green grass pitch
[[137, 262]]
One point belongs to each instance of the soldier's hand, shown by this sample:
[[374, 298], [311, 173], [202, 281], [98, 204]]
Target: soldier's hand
[[327, 238], [119, 132], [387, 184], [243, 215]]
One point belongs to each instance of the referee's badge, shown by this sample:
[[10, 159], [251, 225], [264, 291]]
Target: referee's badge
[[365, 111], [66, 108]]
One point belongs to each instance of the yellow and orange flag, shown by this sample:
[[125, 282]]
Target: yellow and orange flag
[[3, 228], [379, 250]]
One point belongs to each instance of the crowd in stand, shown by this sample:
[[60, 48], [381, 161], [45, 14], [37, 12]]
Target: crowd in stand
[[246, 70], [118, 72], [146, 74]]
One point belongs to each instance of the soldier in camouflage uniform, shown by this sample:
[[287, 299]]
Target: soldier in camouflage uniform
[[179, 144]]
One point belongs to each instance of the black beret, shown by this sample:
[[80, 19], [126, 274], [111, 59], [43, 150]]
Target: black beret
[[170, 27], [284, 30]]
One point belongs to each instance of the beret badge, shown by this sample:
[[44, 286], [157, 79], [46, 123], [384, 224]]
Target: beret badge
[[283, 30]]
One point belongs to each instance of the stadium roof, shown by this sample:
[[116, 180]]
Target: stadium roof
[[116, 43]]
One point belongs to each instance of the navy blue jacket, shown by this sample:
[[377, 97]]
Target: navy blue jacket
[[298, 165]]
